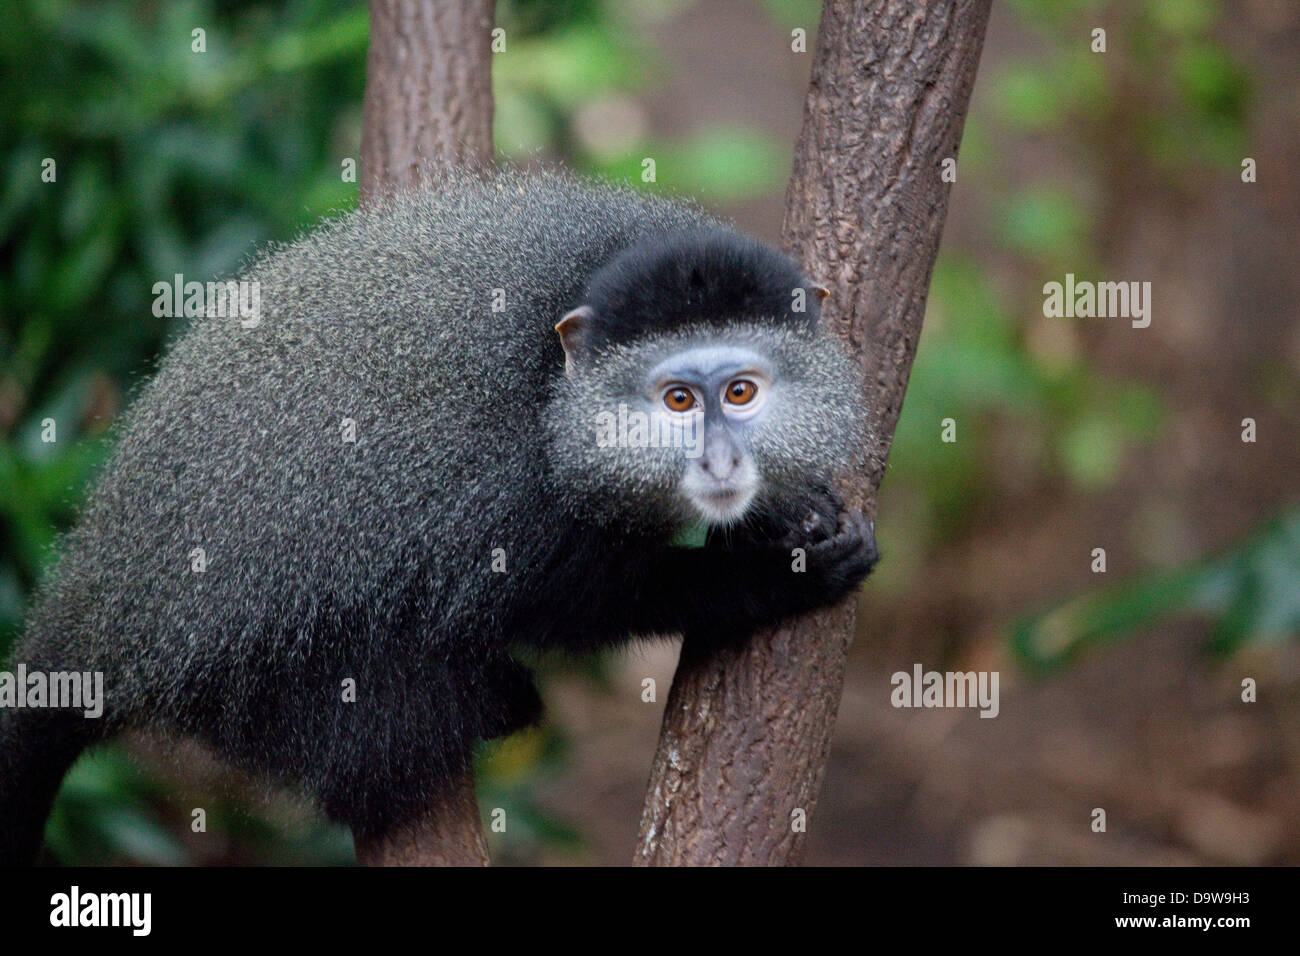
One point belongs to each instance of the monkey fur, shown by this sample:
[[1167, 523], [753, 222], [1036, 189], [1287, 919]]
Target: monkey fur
[[472, 513]]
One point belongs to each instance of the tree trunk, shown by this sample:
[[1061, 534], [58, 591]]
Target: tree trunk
[[451, 834], [428, 106], [428, 102], [746, 733]]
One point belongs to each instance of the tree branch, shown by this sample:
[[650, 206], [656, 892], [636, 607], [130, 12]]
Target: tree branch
[[428, 106], [746, 733]]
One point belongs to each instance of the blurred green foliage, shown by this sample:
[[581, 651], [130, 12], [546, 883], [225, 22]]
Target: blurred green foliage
[[972, 366], [167, 162], [1166, 98], [554, 85], [1250, 594], [1166, 83], [164, 161]]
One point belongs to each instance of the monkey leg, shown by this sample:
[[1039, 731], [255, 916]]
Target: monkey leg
[[511, 701], [37, 747]]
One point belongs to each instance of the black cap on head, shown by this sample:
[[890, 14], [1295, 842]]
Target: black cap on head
[[699, 276]]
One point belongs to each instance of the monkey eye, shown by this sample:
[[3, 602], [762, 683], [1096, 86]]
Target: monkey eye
[[740, 392], [679, 398]]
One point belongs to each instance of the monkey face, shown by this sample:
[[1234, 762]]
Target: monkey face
[[706, 426], [714, 393]]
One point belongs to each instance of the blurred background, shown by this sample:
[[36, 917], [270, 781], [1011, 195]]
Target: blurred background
[[1120, 690]]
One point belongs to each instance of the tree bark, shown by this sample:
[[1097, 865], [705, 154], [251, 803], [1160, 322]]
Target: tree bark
[[451, 834], [428, 107], [428, 103], [746, 733]]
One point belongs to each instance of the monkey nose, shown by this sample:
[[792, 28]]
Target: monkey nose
[[720, 467]]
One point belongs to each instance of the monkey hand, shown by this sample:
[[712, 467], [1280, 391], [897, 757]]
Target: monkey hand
[[757, 577], [827, 555], [838, 563], [817, 522], [819, 552]]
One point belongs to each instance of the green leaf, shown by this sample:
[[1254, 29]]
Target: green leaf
[[1252, 592], [722, 165], [1045, 223]]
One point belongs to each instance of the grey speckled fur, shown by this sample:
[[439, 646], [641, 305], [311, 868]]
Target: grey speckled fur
[[329, 560]]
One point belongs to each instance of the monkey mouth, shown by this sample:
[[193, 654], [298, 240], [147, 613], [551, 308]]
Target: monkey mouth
[[722, 505]]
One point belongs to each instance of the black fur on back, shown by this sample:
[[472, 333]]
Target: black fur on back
[[709, 275]]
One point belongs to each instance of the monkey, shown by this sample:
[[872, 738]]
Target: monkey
[[515, 412]]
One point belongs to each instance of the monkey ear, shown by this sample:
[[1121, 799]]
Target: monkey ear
[[574, 329]]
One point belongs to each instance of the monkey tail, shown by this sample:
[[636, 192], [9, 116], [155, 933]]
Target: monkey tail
[[37, 747]]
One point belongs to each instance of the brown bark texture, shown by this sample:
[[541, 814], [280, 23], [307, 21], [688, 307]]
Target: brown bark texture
[[428, 103], [451, 834], [428, 107], [746, 733]]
